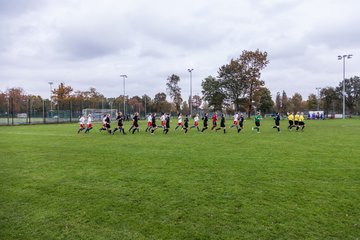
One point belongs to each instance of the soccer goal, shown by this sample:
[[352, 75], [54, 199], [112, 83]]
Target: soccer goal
[[98, 114]]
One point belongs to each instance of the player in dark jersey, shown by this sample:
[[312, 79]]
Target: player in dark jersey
[[132, 124], [106, 124], [186, 123], [222, 123], [135, 123], [277, 122], [120, 127], [153, 123], [241, 123], [205, 119], [167, 123]]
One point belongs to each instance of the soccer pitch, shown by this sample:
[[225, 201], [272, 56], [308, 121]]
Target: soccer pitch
[[57, 184]]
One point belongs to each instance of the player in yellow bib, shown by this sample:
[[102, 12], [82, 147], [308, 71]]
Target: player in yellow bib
[[291, 120], [296, 119], [301, 122]]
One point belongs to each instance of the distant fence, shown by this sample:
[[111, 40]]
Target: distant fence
[[29, 111], [34, 110]]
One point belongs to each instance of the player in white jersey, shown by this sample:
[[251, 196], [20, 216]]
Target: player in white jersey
[[162, 119], [149, 122], [89, 123], [196, 122], [236, 121], [103, 127], [179, 122], [82, 123]]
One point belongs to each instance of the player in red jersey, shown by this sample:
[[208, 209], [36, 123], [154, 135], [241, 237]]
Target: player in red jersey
[[214, 119]]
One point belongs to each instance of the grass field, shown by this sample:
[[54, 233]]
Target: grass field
[[57, 184]]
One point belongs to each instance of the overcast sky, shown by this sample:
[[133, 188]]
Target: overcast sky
[[88, 43]]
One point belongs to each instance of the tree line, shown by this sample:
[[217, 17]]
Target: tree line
[[237, 87], [329, 99]]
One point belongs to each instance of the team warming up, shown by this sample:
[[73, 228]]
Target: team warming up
[[296, 121]]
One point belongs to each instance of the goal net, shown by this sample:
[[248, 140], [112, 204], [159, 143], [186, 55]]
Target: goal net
[[98, 114]]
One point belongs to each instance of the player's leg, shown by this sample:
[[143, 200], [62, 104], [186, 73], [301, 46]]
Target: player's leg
[[133, 129]]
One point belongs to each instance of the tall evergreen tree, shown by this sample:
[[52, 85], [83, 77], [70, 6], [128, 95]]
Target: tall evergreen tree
[[284, 103], [174, 90], [278, 102]]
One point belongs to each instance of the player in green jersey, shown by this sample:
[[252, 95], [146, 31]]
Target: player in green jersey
[[257, 122]]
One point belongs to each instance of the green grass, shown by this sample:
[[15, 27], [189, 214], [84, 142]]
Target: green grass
[[56, 184]]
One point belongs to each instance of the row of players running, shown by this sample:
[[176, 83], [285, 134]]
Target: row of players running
[[165, 122]]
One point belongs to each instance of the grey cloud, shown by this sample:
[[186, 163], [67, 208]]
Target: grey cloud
[[340, 36], [175, 32], [84, 48], [84, 42], [15, 7], [152, 53], [79, 43]]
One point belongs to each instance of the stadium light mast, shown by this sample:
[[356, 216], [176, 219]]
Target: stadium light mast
[[344, 57], [190, 102], [124, 77], [50, 83], [318, 98], [145, 104]]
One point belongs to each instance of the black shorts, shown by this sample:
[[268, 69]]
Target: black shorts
[[296, 122], [153, 125], [222, 125], [136, 125], [241, 124], [301, 123], [107, 125], [257, 124], [277, 123], [291, 122]]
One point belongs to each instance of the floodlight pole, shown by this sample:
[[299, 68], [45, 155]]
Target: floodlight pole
[[318, 98], [124, 76], [343, 57], [190, 102], [145, 104], [51, 83]]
